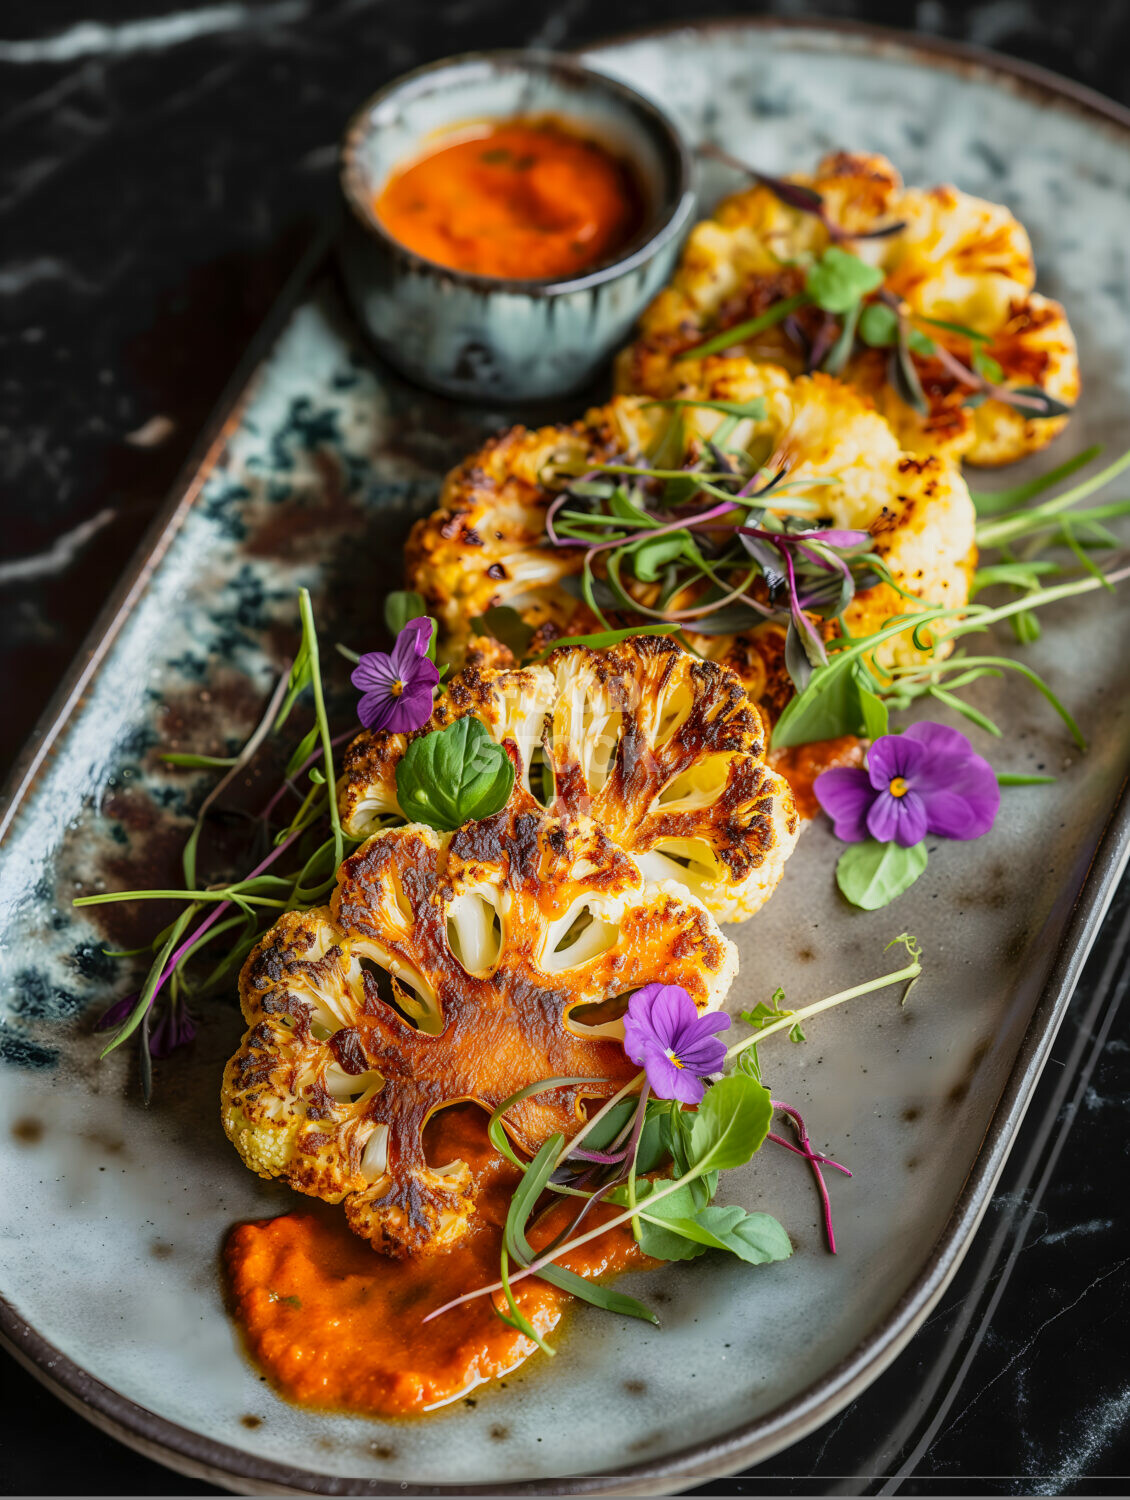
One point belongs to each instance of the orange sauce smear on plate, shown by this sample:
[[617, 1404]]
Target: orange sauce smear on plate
[[515, 200], [801, 764], [335, 1325]]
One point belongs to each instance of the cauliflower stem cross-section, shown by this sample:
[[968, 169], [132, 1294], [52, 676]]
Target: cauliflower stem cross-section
[[663, 751], [450, 968]]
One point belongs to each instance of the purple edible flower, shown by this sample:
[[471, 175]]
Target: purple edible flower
[[676, 1046], [397, 688], [927, 780]]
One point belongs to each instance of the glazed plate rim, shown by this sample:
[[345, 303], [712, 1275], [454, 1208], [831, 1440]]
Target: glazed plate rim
[[192, 1453]]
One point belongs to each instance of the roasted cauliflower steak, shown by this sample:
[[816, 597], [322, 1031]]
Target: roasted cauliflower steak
[[486, 544], [956, 258], [448, 968], [663, 751]]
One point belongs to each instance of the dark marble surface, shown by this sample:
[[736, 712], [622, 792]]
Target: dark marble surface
[[161, 169]]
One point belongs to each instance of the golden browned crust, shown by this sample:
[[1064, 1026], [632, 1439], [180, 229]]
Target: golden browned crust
[[957, 258], [664, 751], [367, 1017]]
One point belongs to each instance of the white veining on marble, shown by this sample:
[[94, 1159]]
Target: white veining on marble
[[60, 555], [95, 39]]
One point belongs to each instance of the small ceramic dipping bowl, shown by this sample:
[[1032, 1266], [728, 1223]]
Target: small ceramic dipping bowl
[[475, 336]]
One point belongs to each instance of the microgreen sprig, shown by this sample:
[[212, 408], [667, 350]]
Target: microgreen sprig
[[673, 1215], [741, 558], [297, 869]]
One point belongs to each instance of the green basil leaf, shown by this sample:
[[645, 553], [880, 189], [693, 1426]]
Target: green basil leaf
[[453, 775], [730, 1123], [879, 325], [871, 874], [401, 606], [836, 701], [755, 1238], [838, 280], [506, 625]]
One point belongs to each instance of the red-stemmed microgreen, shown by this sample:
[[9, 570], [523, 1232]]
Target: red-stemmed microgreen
[[859, 312], [717, 541], [664, 1189], [296, 870]]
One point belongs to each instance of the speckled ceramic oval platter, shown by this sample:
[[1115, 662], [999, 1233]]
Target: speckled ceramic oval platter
[[113, 1217]]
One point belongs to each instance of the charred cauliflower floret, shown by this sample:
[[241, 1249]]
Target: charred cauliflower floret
[[450, 967], [957, 259], [663, 751], [487, 544]]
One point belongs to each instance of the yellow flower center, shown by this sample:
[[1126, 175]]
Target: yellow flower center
[[672, 1058], [397, 688], [898, 787]]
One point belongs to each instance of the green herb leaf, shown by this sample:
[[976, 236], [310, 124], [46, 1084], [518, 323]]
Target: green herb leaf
[[522, 1205], [756, 1238], [506, 625], [655, 1145], [989, 503], [838, 280], [656, 1239], [919, 343], [754, 409], [871, 874], [649, 558], [1015, 778], [879, 326], [1049, 406], [959, 328], [496, 1131], [987, 366], [838, 700], [454, 775], [730, 1123], [903, 377], [302, 752], [766, 1013], [401, 606], [838, 355], [743, 331], [199, 762]]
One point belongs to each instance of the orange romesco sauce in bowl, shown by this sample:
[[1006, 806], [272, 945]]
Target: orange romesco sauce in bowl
[[335, 1325], [521, 199]]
